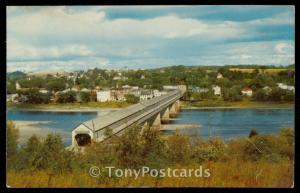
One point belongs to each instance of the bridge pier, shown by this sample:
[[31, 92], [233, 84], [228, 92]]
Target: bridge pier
[[174, 109], [165, 115], [157, 121]]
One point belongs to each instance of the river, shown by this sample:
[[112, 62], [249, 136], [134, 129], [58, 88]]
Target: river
[[226, 123]]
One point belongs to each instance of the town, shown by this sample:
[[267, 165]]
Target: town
[[132, 86]]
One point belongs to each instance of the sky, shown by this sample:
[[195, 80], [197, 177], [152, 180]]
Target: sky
[[69, 38]]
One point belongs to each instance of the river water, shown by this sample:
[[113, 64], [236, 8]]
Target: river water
[[226, 123]]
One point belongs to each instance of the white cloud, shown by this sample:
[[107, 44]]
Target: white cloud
[[19, 51], [284, 48], [56, 65], [60, 37]]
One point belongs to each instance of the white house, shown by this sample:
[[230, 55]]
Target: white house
[[85, 90], [219, 76], [12, 97], [247, 91], [286, 87], [217, 90], [18, 87], [146, 95], [44, 91], [157, 93], [103, 96], [170, 87]]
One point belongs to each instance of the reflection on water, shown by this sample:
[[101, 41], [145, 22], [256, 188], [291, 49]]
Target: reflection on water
[[227, 123]]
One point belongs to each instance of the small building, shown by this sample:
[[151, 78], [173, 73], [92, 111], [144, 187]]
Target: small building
[[267, 89], [286, 87], [198, 89], [170, 87], [146, 95], [18, 87], [85, 90], [142, 77], [117, 78], [157, 93], [126, 87], [104, 96], [219, 76], [12, 98], [44, 91], [247, 91], [217, 90]]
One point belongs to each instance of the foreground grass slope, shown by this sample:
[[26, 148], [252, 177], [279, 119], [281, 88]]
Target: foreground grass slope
[[254, 161]]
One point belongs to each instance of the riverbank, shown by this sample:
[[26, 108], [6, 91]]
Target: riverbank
[[219, 104], [69, 107], [29, 128]]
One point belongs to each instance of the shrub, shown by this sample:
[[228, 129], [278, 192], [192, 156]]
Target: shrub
[[212, 150], [179, 149]]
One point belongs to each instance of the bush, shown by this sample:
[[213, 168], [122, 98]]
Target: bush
[[12, 142], [130, 98], [212, 150], [130, 148], [179, 149], [262, 147]]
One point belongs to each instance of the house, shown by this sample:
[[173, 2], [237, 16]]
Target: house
[[85, 90], [142, 77], [286, 87], [217, 90], [126, 87], [198, 89], [146, 95], [170, 87], [44, 91], [267, 89], [247, 91], [219, 76], [103, 96], [157, 93], [117, 78], [12, 98], [18, 87]]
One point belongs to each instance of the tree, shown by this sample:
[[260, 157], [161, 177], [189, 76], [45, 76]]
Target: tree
[[12, 142], [178, 148], [130, 98], [55, 85], [252, 133], [67, 97], [130, 148], [35, 97], [232, 94], [260, 95], [154, 147], [84, 97]]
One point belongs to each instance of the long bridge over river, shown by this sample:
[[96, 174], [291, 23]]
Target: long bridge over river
[[150, 112]]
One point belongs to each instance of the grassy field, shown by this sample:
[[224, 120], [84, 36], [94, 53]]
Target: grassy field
[[268, 71], [238, 104], [223, 174], [111, 104]]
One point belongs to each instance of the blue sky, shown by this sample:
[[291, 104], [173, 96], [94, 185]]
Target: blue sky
[[71, 38]]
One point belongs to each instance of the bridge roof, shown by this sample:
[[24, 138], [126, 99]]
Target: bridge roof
[[105, 120]]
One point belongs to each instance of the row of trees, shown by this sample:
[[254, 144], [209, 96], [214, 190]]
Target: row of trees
[[155, 78]]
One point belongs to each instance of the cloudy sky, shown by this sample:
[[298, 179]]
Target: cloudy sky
[[82, 37]]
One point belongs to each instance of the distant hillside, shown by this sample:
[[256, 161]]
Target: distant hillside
[[16, 74]]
